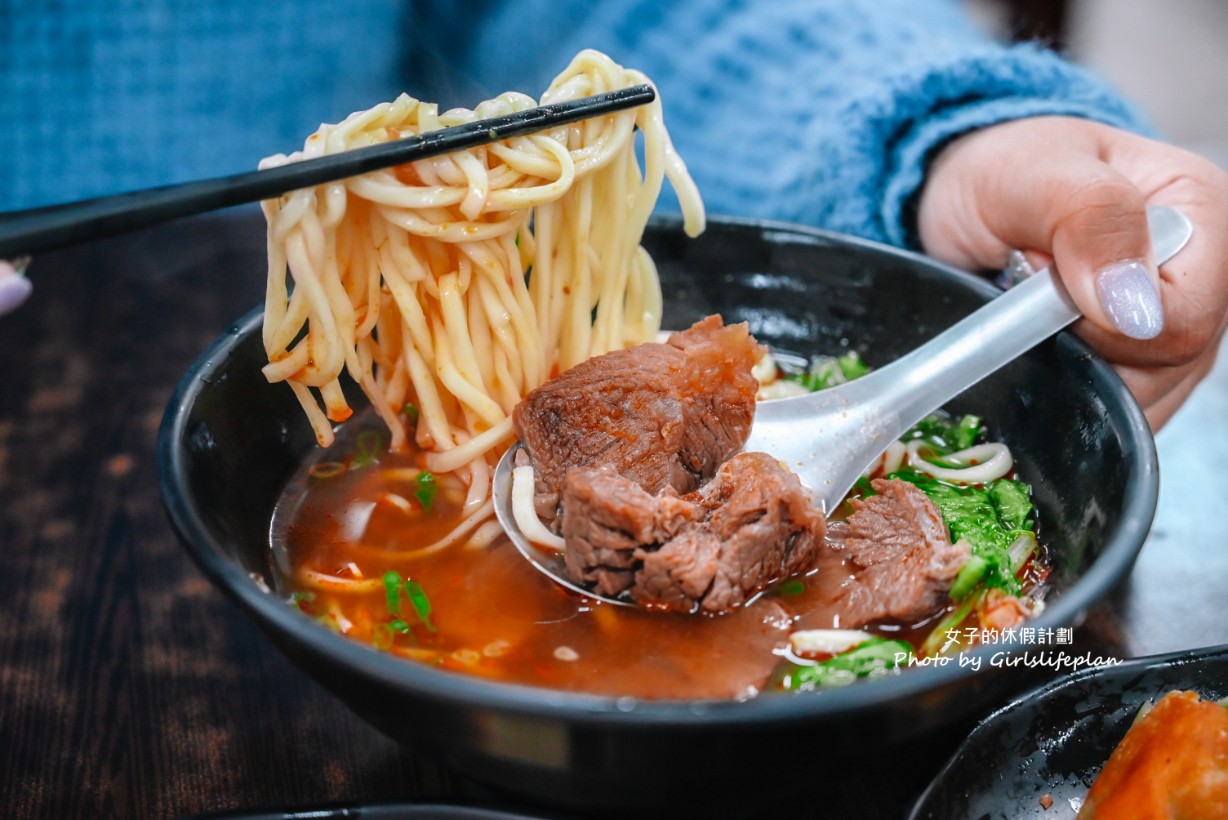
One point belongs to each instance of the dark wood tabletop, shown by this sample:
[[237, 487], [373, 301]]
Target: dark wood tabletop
[[130, 687]]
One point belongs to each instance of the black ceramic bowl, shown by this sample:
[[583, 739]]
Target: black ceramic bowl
[[1055, 739], [230, 441]]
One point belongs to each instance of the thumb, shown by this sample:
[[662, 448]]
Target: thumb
[[1043, 186], [1101, 247]]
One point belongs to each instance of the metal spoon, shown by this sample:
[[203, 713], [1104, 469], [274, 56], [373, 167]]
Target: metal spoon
[[829, 438]]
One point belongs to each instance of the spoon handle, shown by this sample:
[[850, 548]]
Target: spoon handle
[[853, 423], [921, 381], [849, 425]]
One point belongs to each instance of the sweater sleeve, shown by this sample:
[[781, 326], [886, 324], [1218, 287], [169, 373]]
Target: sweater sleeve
[[824, 112], [100, 98]]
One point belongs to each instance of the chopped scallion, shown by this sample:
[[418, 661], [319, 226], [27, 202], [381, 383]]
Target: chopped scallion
[[392, 591], [369, 445], [326, 469], [421, 603], [427, 488]]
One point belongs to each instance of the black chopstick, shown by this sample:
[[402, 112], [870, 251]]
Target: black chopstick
[[55, 226]]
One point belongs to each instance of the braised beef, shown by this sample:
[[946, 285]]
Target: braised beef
[[712, 550], [664, 415], [759, 527], [622, 446], [890, 561], [608, 517]]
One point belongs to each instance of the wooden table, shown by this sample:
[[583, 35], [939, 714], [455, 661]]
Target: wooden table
[[130, 687]]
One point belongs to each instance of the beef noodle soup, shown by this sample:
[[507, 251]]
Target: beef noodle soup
[[455, 290]]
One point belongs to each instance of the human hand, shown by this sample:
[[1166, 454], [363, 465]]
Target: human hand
[[1074, 193]]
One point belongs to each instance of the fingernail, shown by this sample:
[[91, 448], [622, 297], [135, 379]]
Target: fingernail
[[14, 290], [1130, 299], [1017, 269]]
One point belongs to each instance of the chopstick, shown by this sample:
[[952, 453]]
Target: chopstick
[[55, 226]]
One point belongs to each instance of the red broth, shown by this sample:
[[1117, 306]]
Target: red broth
[[338, 531]]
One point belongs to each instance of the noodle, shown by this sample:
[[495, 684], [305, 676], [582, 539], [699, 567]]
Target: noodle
[[459, 283], [522, 509]]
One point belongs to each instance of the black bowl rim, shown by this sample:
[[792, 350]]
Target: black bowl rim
[[1117, 558], [1035, 697]]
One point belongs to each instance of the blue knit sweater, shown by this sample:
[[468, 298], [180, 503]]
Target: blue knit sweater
[[816, 111]]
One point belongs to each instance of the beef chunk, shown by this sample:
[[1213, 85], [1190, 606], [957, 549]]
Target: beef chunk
[[712, 550], [664, 415], [892, 559], [607, 518], [759, 527]]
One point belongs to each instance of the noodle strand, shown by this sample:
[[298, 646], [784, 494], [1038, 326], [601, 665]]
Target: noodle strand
[[458, 284]]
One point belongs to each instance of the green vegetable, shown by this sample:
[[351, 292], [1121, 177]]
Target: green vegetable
[[828, 371], [394, 590], [411, 411], [427, 488], [966, 432], [874, 658], [863, 487], [851, 366], [971, 594], [369, 445], [970, 574], [1013, 501], [942, 639], [422, 604], [993, 519], [1022, 549], [990, 519], [945, 435]]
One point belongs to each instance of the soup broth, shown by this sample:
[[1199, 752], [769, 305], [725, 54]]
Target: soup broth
[[356, 546]]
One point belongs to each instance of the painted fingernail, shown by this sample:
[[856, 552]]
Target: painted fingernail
[[14, 290], [1130, 299]]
